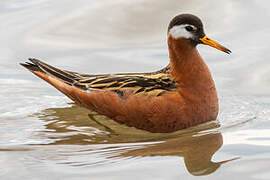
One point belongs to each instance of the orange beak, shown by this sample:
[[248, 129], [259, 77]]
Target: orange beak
[[210, 42]]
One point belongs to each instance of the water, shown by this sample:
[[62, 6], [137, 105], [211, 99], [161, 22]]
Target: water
[[44, 136]]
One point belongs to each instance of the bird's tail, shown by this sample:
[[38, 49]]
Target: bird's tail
[[60, 79], [38, 66]]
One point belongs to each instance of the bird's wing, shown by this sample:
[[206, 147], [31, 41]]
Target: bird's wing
[[149, 84]]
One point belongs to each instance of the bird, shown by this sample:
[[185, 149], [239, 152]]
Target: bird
[[180, 95]]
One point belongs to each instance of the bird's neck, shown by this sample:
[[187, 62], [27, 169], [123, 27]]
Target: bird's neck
[[189, 70]]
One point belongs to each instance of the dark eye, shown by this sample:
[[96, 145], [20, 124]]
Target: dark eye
[[189, 28]]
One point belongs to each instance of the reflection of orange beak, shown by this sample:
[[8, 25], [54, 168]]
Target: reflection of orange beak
[[210, 42]]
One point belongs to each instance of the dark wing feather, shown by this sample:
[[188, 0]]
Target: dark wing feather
[[149, 84]]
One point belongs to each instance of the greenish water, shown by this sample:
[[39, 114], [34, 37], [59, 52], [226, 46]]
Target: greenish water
[[44, 136]]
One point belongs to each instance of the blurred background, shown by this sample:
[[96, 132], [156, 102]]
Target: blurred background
[[44, 136]]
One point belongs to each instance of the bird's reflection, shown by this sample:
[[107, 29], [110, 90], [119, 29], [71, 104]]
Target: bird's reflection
[[197, 152], [72, 126]]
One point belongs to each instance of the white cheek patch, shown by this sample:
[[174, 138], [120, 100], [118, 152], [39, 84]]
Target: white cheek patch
[[180, 31]]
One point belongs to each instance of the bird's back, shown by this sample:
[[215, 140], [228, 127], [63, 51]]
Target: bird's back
[[147, 84]]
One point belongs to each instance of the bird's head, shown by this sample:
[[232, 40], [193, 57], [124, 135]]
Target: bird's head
[[190, 27]]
